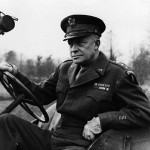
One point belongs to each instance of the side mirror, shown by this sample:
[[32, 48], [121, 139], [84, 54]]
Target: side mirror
[[7, 23]]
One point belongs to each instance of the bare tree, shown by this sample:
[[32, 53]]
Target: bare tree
[[11, 57], [111, 50], [30, 69], [141, 64], [38, 67], [109, 45]]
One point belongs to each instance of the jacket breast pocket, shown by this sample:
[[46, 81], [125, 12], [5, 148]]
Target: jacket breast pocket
[[99, 95], [101, 100]]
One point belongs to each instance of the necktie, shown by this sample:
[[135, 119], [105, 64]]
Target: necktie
[[82, 70]]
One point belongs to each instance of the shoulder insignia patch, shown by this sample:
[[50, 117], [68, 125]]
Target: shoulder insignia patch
[[132, 77], [130, 72]]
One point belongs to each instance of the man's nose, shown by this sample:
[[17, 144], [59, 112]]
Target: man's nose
[[74, 48]]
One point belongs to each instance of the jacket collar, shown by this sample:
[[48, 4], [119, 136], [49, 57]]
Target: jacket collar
[[96, 70], [101, 64]]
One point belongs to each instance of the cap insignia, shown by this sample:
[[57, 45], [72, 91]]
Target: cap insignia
[[72, 22]]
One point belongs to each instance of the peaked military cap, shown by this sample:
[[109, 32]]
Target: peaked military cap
[[81, 25]]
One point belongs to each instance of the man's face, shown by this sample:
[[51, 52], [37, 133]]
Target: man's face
[[83, 50]]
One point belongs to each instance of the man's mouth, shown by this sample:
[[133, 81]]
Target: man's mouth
[[76, 57]]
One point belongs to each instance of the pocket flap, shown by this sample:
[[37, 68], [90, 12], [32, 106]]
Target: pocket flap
[[99, 95]]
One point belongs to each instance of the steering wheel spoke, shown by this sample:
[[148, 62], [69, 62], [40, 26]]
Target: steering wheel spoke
[[20, 99]]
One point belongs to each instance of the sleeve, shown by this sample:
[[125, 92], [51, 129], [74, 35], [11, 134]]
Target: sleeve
[[135, 112], [45, 91]]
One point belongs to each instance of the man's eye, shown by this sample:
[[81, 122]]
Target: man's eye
[[82, 43], [79, 43], [70, 43]]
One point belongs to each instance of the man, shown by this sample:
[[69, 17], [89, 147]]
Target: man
[[93, 95]]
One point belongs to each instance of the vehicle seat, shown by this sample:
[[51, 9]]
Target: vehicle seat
[[54, 117]]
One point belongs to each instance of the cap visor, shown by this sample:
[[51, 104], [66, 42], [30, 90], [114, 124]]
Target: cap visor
[[76, 36]]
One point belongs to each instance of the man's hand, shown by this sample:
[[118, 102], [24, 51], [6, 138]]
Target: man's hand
[[88, 134], [4, 66], [91, 128]]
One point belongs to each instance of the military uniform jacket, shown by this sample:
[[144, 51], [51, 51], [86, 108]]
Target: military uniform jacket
[[106, 89]]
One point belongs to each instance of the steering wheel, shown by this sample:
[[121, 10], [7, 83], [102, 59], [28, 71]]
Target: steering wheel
[[20, 99]]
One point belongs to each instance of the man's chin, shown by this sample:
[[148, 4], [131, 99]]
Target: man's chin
[[76, 61]]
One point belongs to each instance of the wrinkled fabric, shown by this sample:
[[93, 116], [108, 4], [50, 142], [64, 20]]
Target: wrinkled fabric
[[18, 134], [106, 89]]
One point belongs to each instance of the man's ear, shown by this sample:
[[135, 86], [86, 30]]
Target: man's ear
[[97, 44]]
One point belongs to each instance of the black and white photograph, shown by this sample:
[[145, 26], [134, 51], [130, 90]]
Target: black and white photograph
[[74, 75]]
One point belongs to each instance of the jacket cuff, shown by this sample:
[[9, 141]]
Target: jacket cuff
[[108, 120]]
